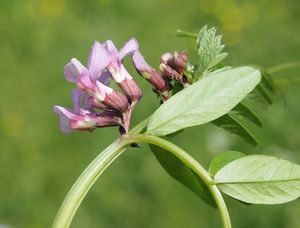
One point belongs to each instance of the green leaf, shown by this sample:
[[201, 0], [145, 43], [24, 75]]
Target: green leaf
[[209, 50], [204, 101], [242, 110], [269, 85], [222, 159], [182, 33], [183, 174], [219, 58], [260, 179], [232, 125], [267, 82], [264, 94]]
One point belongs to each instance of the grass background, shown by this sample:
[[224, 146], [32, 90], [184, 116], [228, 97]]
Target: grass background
[[38, 164]]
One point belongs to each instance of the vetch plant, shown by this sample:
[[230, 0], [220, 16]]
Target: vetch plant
[[191, 93]]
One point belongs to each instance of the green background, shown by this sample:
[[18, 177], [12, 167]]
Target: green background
[[38, 164]]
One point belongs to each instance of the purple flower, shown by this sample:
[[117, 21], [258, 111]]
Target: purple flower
[[150, 74], [84, 118], [95, 103], [118, 71], [94, 79]]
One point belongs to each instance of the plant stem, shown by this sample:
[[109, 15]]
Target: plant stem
[[103, 160], [283, 66], [86, 180], [192, 164]]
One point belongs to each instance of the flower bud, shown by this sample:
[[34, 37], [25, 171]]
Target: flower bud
[[180, 61], [147, 72], [169, 72], [159, 83], [166, 58]]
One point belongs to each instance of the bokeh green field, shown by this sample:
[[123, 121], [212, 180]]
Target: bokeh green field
[[38, 164]]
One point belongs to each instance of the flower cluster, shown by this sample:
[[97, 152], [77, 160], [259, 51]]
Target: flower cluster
[[96, 104]]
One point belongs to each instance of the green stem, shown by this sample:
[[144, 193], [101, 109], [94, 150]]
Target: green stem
[[283, 66], [85, 182], [89, 176], [97, 167], [193, 165]]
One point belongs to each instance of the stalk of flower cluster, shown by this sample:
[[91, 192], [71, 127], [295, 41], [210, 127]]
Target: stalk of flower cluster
[[97, 167]]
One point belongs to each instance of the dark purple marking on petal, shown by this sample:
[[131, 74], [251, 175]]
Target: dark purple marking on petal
[[116, 101], [131, 89]]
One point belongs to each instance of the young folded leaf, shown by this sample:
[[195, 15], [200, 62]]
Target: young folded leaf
[[204, 101], [219, 58], [209, 50], [183, 174], [260, 179]]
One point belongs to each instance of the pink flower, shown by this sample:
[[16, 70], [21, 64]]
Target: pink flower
[[84, 118], [118, 71], [94, 79], [150, 74], [94, 93]]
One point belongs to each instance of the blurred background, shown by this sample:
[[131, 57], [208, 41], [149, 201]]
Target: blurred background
[[38, 164]]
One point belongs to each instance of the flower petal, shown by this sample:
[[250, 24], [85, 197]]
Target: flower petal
[[130, 47], [166, 57], [65, 115], [85, 82], [98, 60], [140, 63], [89, 103], [110, 47], [105, 77], [77, 94], [64, 111], [102, 91], [73, 69], [124, 73]]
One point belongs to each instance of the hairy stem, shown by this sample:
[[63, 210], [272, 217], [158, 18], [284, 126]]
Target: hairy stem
[[192, 164]]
